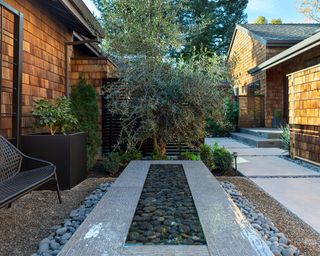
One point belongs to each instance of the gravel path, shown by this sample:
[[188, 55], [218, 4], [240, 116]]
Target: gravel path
[[30, 218], [301, 235]]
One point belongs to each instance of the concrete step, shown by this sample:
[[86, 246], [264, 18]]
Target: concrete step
[[256, 141], [268, 133]]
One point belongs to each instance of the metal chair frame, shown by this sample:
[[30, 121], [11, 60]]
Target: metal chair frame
[[17, 158]]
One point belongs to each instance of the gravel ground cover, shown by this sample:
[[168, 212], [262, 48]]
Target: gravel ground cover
[[300, 234], [31, 217], [278, 243], [166, 213]]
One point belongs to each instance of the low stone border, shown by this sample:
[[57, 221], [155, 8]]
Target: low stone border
[[302, 163], [278, 243], [53, 244]]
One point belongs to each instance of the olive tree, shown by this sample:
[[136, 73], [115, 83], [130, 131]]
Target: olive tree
[[168, 100]]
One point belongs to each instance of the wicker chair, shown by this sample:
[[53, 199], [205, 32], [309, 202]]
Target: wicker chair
[[13, 183]]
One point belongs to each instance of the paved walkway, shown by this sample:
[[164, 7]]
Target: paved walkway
[[294, 186]]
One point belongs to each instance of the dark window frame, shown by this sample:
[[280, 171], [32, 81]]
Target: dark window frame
[[17, 70]]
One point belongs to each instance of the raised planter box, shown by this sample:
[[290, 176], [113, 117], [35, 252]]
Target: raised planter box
[[67, 152]]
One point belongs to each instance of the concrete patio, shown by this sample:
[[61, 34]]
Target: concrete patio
[[294, 186]]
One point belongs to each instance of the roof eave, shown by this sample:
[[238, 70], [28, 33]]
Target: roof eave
[[81, 12], [291, 52]]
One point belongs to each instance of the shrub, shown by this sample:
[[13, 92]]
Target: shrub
[[222, 159], [116, 160], [228, 122], [112, 162], [189, 156], [131, 155], [84, 101], [285, 137], [206, 155], [156, 155], [56, 115]]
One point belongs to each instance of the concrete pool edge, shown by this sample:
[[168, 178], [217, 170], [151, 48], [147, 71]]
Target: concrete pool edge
[[105, 230]]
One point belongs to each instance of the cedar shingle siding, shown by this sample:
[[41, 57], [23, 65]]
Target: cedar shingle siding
[[43, 66], [304, 113], [252, 45]]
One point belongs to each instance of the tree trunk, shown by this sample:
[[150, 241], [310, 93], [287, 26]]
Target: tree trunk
[[160, 147]]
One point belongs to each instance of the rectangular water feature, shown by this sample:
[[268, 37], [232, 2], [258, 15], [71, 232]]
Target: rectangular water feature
[[104, 232], [166, 213]]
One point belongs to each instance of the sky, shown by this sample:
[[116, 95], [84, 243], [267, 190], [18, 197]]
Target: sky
[[271, 9]]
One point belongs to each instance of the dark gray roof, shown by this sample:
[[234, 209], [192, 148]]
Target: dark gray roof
[[291, 33]]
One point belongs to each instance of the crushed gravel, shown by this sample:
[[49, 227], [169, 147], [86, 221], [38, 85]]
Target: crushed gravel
[[30, 218], [300, 234]]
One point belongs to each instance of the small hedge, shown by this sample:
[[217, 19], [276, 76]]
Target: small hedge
[[115, 161], [216, 158]]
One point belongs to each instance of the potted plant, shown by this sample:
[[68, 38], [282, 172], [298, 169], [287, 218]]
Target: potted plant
[[59, 144]]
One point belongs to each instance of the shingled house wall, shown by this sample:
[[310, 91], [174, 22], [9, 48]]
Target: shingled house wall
[[245, 53], [304, 113], [43, 61]]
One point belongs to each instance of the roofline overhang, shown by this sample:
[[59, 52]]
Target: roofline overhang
[[81, 12], [291, 52], [248, 32], [93, 49]]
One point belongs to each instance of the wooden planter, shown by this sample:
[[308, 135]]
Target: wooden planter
[[67, 152]]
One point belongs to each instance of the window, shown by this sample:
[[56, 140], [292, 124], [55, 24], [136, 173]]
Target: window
[[10, 72]]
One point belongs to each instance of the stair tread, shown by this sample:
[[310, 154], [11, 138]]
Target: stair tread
[[255, 137]]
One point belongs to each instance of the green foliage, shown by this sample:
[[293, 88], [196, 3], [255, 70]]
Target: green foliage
[[84, 101], [276, 21], [55, 115], [205, 152], [278, 114], [285, 136], [138, 28], [261, 20], [216, 158], [131, 155], [222, 127], [168, 101], [210, 24], [222, 159], [163, 26], [231, 110], [114, 161], [189, 156], [156, 155]]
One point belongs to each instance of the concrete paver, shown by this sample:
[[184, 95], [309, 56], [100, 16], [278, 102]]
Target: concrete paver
[[296, 187], [299, 195], [272, 166]]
